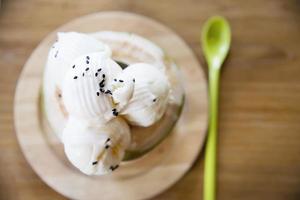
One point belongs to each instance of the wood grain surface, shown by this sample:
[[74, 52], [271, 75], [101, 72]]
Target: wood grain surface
[[259, 143]]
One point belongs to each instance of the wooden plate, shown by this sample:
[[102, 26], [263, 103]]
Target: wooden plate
[[139, 179]]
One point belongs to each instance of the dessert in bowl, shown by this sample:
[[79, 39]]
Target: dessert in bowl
[[110, 97], [152, 162]]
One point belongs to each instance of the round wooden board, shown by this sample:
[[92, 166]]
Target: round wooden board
[[139, 179]]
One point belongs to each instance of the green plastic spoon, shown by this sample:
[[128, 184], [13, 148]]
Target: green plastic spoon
[[215, 41]]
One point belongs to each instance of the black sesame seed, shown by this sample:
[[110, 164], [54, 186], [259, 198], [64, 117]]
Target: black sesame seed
[[101, 84], [87, 69], [108, 92], [96, 74], [113, 167], [82, 74], [115, 113], [103, 75], [133, 80], [108, 139], [99, 70], [114, 110], [56, 54], [88, 57], [106, 146], [154, 100], [98, 93], [73, 66], [75, 77], [121, 81], [59, 95], [101, 90], [87, 62], [95, 163], [115, 79]]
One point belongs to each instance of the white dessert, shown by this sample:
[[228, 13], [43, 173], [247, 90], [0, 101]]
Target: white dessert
[[86, 93], [131, 48], [96, 148], [64, 51], [141, 92], [101, 112]]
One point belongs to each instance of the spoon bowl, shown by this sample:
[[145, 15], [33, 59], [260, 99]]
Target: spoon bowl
[[216, 38]]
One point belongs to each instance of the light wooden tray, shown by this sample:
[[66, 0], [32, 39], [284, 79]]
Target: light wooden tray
[[139, 179]]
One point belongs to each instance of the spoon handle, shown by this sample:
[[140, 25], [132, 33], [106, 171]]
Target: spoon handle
[[211, 145]]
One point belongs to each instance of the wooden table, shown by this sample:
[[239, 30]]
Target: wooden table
[[259, 146]]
